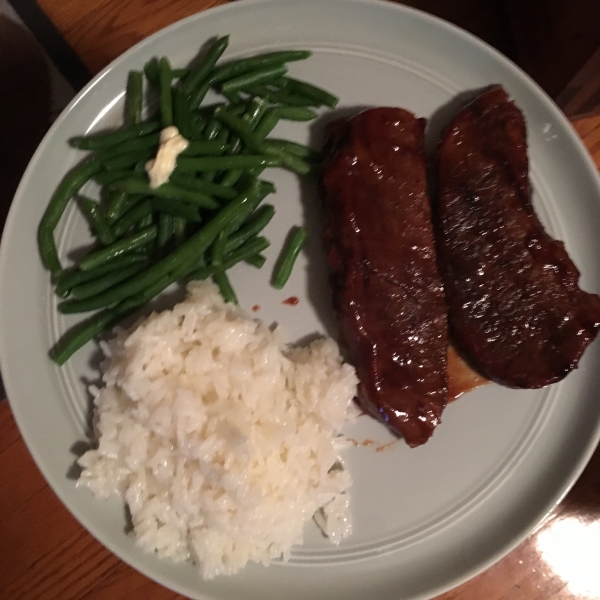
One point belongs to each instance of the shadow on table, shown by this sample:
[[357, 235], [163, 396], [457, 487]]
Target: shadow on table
[[24, 106]]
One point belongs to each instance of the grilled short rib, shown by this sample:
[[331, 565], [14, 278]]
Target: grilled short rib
[[387, 290], [514, 305]]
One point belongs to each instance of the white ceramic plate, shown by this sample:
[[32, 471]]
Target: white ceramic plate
[[425, 519]]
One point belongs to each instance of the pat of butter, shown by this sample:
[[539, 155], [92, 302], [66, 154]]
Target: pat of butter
[[172, 143]]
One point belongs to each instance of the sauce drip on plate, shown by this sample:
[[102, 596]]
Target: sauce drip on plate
[[461, 378]]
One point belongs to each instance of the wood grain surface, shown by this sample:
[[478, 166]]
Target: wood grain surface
[[101, 30], [46, 554]]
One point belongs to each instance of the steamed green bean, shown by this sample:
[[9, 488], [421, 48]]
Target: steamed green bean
[[148, 238]]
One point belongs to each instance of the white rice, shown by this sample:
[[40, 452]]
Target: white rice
[[219, 438]]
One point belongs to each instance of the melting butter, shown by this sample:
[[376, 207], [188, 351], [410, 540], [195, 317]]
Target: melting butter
[[172, 143]]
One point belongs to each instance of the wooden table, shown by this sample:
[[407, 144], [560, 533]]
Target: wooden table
[[45, 553]]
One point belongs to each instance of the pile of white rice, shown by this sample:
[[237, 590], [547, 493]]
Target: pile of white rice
[[220, 439]]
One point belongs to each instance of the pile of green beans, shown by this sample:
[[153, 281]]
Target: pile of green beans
[[207, 217]]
